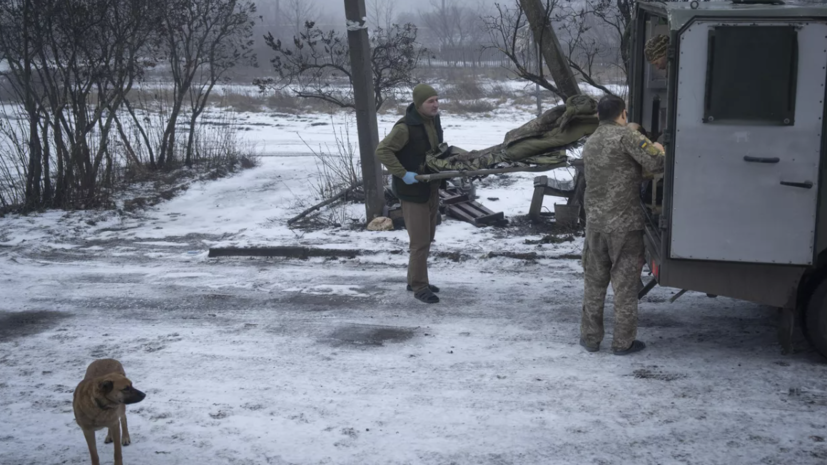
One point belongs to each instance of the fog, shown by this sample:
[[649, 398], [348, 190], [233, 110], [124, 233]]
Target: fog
[[331, 13]]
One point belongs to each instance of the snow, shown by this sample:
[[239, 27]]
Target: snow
[[330, 361]]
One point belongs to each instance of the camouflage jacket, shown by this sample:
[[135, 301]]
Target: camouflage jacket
[[612, 158]]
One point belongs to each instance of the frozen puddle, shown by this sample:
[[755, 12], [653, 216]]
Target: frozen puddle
[[331, 289]]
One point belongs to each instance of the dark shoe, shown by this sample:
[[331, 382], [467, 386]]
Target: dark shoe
[[431, 286], [427, 296], [636, 346], [589, 347]]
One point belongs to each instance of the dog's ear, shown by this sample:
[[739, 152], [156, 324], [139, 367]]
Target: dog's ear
[[106, 386]]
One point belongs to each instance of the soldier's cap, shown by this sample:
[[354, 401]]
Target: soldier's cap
[[421, 93], [655, 47]]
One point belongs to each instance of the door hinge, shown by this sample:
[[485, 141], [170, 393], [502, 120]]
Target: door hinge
[[662, 223]]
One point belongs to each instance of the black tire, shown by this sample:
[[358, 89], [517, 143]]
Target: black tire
[[816, 318]]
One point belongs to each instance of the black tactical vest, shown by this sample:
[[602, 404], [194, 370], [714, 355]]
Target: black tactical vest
[[412, 156]]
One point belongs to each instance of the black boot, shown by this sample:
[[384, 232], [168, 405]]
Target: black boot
[[431, 286], [636, 346], [426, 296], [589, 347]]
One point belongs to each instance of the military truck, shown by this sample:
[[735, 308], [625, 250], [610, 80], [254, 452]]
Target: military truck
[[739, 210]]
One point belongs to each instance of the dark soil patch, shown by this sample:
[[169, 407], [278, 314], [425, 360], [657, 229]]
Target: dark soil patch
[[28, 323], [657, 374], [369, 335], [546, 226], [552, 239]]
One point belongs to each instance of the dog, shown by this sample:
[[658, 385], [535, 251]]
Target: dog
[[100, 402]]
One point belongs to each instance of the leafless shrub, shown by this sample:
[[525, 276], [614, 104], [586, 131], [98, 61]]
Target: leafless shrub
[[217, 143], [468, 88], [337, 170], [282, 101], [240, 102], [13, 156], [317, 64], [473, 106]]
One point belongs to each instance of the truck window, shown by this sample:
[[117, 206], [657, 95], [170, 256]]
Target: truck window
[[751, 75]]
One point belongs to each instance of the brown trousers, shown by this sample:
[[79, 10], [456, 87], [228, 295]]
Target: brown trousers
[[420, 221], [616, 258]]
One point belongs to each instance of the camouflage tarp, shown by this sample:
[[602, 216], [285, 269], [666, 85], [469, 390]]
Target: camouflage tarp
[[542, 141]]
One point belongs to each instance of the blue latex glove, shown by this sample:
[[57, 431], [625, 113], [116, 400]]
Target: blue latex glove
[[409, 178]]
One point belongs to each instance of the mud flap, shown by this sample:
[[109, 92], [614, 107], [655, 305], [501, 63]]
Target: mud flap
[[790, 329]]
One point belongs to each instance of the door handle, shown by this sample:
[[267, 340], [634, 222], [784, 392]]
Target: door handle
[[761, 159], [803, 185]]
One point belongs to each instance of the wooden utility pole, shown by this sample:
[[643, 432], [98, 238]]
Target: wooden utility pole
[[544, 35], [360, 65]]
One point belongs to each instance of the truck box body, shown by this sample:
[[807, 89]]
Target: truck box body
[[741, 108]]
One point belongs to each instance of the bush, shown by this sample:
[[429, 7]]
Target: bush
[[474, 106], [240, 102], [467, 88]]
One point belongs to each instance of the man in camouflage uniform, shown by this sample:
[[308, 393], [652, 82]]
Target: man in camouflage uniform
[[613, 249], [403, 152]]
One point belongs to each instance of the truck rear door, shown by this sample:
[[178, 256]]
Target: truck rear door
[[748, 140]]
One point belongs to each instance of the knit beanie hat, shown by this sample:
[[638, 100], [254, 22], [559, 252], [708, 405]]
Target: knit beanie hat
[[656, 47], [421, 93]]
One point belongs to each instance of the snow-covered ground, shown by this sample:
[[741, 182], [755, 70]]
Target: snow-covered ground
[[330, 361]]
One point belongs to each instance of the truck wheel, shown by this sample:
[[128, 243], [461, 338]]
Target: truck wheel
[[816, 318]]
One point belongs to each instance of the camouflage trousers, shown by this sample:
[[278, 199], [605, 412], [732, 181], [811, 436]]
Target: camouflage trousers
[[616, 258]]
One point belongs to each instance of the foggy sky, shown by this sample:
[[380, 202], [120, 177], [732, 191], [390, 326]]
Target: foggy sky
[[406, 5], [333, 11]]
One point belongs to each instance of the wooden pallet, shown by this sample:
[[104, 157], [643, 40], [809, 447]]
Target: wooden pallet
[[459, 206]]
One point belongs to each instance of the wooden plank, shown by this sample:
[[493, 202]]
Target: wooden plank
[[280, 251], [460, 214], [536, 202], [558, 192], [541, 181], [450, 200], [459, 206], [467, 207], [489, 219], [481, 207]]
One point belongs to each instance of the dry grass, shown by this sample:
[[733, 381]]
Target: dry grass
[[460, 107], [239, 102], [466, 89]]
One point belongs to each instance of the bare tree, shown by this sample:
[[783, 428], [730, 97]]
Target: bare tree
[[510, 33], [317, 59], [297, 12], [202, 39], [381, 13], [455, 29], [72, 64], [446, 22], [582, 44], [617, 16]]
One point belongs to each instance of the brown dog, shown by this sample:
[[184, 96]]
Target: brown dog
[[100, 402]]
